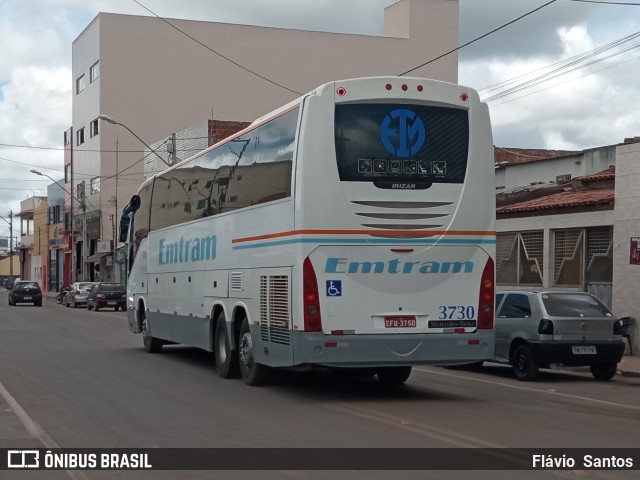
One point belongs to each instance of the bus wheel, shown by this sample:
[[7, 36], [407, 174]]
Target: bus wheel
[[253, 373], [226, 359], [151, 344], [393, 375]]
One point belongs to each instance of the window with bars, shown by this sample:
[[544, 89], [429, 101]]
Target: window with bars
[[583, 255], [520, 258]]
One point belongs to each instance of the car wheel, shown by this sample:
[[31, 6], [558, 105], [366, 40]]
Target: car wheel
[[115, 309], [523, 363], [151, 344], [37, 304], [226, 359], [96, 307], [604, 371], [393, 375], [253, 373], [74, 304]]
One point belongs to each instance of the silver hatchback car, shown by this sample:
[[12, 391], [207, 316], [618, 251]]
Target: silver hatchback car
[[540, 329], [77, 294]]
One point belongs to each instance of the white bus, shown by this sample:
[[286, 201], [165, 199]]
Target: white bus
[[353, 227]]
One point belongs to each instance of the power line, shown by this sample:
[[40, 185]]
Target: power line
[[476, 39], [608, 3], [548, 77], [218, 53], [565, 62], [566, 81]]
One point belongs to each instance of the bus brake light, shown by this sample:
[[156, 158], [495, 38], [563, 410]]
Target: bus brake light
[[487, 296], [312, 319]]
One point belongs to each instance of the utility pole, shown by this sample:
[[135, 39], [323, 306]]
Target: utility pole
[[11, 244]]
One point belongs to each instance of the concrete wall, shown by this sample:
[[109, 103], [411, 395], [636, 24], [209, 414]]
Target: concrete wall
[[585, 163], [626, 277]]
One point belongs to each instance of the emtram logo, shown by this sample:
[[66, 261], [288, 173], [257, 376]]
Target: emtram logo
[[403, 133]]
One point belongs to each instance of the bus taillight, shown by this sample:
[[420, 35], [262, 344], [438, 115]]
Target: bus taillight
[[487, 295], [312, 320]]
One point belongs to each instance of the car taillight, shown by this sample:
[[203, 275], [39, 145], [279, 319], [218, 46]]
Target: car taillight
[[487, 296], [77, 292], [99, 295], [545, 327], [311, 303]]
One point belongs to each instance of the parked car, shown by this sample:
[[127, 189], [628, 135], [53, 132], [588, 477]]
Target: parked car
[[105, 294], [539, 329], [25, 292], [77, 294]]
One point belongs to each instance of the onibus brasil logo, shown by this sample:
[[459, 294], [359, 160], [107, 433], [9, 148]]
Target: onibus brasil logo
[[402, 132]]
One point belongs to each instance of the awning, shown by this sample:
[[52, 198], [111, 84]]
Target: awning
[[97, 257]]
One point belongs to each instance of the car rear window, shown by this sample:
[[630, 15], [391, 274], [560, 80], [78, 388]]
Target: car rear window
[[25, 286], [110, 288], [84, 286], [574, 305]]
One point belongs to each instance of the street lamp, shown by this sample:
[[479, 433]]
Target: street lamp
[[84, 222], [108, 119]]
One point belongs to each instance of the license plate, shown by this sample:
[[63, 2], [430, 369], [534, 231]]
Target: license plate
[[111, 303], [27, 298], [583, 350], [400, 322]]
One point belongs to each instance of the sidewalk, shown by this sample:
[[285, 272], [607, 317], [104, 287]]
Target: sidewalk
[[629, 366]]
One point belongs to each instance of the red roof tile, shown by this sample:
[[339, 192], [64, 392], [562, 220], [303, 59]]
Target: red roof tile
[[608, 174], [563, 200]]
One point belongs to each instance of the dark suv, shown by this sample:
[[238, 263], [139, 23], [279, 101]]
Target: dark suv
[[105, 294], [25, 292]]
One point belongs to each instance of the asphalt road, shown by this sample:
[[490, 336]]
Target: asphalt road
[[77, 378]]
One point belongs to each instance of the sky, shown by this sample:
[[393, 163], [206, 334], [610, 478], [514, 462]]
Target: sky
[[589, 103]]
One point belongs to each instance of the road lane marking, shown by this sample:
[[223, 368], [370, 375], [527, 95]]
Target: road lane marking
[[530, 389], [35, 430]]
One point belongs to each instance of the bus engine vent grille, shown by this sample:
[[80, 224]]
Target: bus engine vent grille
[[235, 281], [274, 309]]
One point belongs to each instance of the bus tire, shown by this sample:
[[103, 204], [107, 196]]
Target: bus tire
[[253, 373], [393, 375], [226, 359], [151, 344]]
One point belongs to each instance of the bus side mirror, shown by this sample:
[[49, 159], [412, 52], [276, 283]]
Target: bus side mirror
[[125, 221]]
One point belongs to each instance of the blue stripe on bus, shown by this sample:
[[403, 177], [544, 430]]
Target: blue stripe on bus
[[382, 241]]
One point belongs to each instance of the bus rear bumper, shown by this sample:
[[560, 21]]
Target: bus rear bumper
[[390, 350]]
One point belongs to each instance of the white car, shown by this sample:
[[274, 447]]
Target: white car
[[77, 294]]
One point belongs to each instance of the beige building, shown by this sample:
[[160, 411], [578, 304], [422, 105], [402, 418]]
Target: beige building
[[34, 239], [155, 80]]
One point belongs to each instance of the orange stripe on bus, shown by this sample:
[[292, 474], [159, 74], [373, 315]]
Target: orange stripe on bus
[[402, 233]]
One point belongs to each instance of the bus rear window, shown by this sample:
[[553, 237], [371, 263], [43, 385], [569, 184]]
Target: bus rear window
[[390, 144]]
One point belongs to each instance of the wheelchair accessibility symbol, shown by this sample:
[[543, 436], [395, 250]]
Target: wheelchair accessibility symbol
[[334, 288]]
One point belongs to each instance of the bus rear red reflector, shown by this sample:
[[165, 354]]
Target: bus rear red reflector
[[330, 344], [337, 332], [474, 342], [459, 330]]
